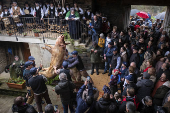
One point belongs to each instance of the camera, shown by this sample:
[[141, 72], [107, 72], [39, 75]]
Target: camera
[[55, 108]]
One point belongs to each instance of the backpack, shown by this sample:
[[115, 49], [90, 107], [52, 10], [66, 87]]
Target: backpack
[[134, 101]]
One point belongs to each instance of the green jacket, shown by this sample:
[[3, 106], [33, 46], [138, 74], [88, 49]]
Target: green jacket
[[69, 12], [95, 57], [15, 69]]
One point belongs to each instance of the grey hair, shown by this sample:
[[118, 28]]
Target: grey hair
[[49, 108], [147, 98], [62, 76], [131, 107]]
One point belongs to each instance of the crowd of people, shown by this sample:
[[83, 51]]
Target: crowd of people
[[137, 61]]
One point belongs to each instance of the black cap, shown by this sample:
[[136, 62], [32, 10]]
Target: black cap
[[135, 47], [111, 43]]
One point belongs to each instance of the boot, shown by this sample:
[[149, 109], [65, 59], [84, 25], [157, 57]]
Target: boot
[[92, 73], [109, 74], [104, 72]]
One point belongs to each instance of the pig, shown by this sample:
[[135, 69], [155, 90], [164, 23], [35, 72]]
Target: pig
[[58, 53]]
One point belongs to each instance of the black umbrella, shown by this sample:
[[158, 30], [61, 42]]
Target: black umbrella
[[133, 12]]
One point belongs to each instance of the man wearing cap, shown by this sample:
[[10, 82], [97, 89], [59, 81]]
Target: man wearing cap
[[37, 84], [95, 52], [144, 86], [77, 62], [108, 53], [135, 56], [15, 10], [32, 59], [27, 76], [15, 68], [5, 13], [65, 70], [129, 83], [115, 62]]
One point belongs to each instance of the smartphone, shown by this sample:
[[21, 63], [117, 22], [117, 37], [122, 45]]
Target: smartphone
[[29, 92], [55, 108]]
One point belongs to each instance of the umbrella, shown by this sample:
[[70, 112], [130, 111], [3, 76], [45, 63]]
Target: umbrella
[[142, 15], [161, 16], [133, 12]]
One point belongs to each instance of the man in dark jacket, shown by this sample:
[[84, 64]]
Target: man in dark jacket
[[65, 90], [77, 62], [136, 70], [164, 68], [108, 53], [129, 83], [27, 76], [144, 86], [95, 57], [115, 62], [20, 106], [130, 97], [105, 105], [86, 105], [65, 70], [37, 84], [135, 56], [96, 25], [161, 88]]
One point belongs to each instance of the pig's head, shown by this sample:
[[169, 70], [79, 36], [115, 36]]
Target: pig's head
[[60, 42]]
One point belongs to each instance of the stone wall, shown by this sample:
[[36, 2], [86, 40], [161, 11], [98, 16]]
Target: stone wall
[[3, 61]]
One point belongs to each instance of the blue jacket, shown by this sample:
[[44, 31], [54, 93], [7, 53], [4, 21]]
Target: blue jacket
[[81, 104], [110, 53]]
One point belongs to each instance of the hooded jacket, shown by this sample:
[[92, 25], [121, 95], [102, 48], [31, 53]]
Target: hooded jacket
[[160, 93], [144, 88], [65, 90], [105, 106]]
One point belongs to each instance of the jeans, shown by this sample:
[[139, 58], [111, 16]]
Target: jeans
[[95, 37], [110, 70], [107, 64], [38, 100], [65, 107]]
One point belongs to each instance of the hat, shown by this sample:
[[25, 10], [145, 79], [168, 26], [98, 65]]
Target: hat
[[65, 64], [16, 56], [31, 58], [33, 70], [146, 75], [102, 35], [26, 2], [115, 49], [125, 63], [74, 53], [28, 63], [5, 7], [106, 89], [135, 47], [129, 77], [111, 43]]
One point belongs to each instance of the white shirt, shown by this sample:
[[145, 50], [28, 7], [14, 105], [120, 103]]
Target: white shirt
[[42, 13], [44, 8], [3, 14], [27, 8], [46, 13], [11, 11], [61, 11], [88, 14], [81, 10], [76, 18]]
